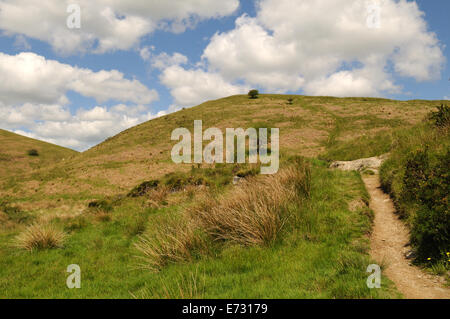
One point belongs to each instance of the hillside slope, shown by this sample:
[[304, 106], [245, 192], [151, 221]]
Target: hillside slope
[[198, 235], [310, 126], [14, 157]]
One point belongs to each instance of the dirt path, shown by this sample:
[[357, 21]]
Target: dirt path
[[389, 247]]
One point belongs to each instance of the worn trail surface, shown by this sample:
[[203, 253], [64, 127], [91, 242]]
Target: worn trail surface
[[389, 244]]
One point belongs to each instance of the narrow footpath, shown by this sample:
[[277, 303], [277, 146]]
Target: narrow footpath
[[389, 246]]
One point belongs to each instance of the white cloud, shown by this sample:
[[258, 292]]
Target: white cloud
[[164, 60], [327, 47], [106, 25], [55, 124], [33, 96], [367, 81], [192, 87], [28, 77], [146, 53]]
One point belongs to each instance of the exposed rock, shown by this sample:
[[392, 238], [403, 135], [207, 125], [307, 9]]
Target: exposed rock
[[360, 164], [236, 180], [411, 255]]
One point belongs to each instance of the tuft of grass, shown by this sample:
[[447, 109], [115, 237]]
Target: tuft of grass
[[102, 216], [76, 223], [172, 241], [185, 286], [254, 212], [157, 196], [40, 237]]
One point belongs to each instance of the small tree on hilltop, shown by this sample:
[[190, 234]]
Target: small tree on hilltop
[[253, 94], [33, 152]]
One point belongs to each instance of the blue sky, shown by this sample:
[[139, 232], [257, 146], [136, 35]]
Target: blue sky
[[172, 58]]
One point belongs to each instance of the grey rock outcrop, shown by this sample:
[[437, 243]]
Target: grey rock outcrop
[[360, 164]]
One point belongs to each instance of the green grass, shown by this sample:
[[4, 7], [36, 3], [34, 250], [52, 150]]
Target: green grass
[[362, 147], [29, 153], [323, 253]]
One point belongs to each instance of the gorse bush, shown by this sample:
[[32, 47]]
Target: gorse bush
[[417, 177], [442, 116], [427, 182]]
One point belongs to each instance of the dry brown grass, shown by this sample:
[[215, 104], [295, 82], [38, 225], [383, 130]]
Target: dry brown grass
[[254, 212], [39, 236], [171, 241], [157, 196], [102, 216]]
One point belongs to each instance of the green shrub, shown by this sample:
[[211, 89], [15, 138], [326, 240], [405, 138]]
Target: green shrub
[[427, 182], [441, 117], [417, 177], [101, 205], [143, 188], [178, 181], [431, 234], [33, 152]]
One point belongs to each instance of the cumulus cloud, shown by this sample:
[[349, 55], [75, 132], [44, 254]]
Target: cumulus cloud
[[56, 124], [106, 25], [194, 86], [327, 47], [28, 77], [162, 60], [33, 96]]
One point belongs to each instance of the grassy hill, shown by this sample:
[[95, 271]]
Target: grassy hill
[[16, 160], [331, 128], [188, 232]]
